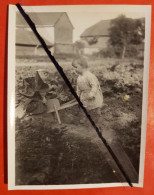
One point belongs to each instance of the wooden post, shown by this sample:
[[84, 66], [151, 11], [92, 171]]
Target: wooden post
[[57, 114]]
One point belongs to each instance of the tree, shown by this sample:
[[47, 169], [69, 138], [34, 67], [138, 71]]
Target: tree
[[79, 45], [126, 31]]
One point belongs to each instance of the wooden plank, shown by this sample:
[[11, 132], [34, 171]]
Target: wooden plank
[[121, 155], [63, 107], [125, 161], [67, 105]]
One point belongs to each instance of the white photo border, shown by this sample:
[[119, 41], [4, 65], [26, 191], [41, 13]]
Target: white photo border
[[11, 89]]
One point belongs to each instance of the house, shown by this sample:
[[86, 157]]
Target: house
[[96, 36], [55, 26]]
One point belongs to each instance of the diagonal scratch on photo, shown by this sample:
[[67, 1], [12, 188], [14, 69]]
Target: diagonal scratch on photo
[[102, 54]]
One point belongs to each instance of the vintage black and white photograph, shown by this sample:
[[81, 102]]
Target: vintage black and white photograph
[[104, 52]]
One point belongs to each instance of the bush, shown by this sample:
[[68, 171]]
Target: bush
[[108, 52], [32, 58], [131, 51], [64, 56], [112, 52]]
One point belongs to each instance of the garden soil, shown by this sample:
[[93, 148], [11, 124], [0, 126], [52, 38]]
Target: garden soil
[[49, 153]]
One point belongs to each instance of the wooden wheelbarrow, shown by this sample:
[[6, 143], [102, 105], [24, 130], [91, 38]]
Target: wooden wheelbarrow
[[53, 105]]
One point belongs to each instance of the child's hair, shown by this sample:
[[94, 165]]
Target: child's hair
[[81, 60]]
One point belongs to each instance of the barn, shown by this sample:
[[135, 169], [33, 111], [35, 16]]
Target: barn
[[55, 27], [28, 45]]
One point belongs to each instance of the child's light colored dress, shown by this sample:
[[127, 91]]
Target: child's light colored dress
[[89, 91]]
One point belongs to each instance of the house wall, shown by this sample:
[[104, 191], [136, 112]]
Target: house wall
[[92, 48], [40, 51], [31, 51], [63, 31], [25, 51], [63, 49], [47, 33], [90, 51], [101, 42]]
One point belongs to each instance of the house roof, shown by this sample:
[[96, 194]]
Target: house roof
[[26, 37], [98, 29], [40, 18]]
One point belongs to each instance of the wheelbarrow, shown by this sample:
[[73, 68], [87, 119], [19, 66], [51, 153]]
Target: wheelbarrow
[[53, 105]]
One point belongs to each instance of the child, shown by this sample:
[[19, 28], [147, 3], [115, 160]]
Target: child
[[88, 89]]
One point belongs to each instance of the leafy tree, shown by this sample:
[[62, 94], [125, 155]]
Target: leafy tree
[[126, 31]]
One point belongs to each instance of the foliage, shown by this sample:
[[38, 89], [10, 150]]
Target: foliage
[[125, 31], [110, 51], [92, 40], [79, 45], [63, 56], [58, 89], [131, 51], [126, 76]]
